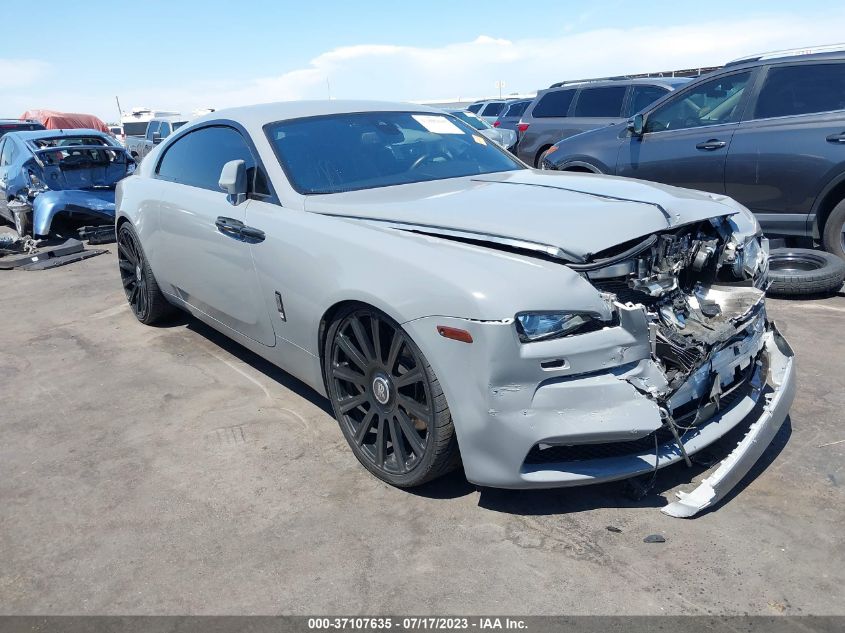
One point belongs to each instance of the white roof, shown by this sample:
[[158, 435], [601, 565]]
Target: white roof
[[268, 112]]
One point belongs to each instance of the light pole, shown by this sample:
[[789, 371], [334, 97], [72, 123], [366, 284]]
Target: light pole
[[500, 84]]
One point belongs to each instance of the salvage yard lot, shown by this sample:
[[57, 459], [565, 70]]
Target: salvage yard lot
[[167, 470]]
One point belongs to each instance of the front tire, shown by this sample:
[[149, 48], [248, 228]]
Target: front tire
[[387, 399], [145, 297]]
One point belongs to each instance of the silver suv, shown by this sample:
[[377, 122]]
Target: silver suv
[[567, 109]]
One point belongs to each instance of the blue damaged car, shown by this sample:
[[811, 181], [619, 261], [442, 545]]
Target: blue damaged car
[[51, 179]]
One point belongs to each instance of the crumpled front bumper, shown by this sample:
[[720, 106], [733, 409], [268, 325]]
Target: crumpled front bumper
[[507, 398], [96, 203], [776, 403]]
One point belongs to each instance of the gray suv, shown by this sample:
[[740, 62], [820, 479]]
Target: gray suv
[[768, 131], [570, 108]]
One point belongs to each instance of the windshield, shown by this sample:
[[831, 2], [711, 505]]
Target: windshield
[[469, 117], [347, 152]]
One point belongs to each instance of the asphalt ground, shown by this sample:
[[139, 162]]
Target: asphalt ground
[[166, 470]]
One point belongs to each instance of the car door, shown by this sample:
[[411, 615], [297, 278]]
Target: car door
[[686, 138], [208, 264], [790, 144]]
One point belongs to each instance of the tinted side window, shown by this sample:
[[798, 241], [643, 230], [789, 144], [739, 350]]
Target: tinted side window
[[493, 109], [475, 107], [708, 103], [164, 130], [553, 104], [644, 96], [197, 158], [600, 102], [802, 89], [3, 155]]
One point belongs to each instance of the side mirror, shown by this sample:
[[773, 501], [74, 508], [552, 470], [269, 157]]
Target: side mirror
[[636, 125], [156, 138], [233, 181]]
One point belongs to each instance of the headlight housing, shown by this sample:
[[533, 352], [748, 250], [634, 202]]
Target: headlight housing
[[542, 326], [744, 225]]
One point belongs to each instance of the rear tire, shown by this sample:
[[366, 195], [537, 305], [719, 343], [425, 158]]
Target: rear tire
[[387, 400], [833, 237], [803, 271], [145, 297]]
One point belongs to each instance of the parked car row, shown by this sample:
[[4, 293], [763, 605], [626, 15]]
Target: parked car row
[[768, 131]]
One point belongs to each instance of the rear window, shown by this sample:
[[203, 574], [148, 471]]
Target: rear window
[[802, 89], [516, 109], [493, 109], [600, 102], [135, 128], [19, 127], [553, 104]]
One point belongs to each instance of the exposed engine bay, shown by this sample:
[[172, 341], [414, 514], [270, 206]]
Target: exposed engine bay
[[702, 293]]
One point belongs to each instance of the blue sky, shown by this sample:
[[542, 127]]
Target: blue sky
[[185, 55]]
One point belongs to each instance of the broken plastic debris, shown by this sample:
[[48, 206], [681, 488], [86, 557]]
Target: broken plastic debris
[[613, 528], [654, 538]]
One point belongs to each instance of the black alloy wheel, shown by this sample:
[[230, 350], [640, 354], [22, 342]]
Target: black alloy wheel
[[145, 298], [387, 400]]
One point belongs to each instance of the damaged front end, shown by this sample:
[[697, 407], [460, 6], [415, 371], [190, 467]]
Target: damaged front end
[[697, 294]]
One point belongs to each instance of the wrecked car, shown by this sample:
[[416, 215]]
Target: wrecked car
[[59, 177], [544, 329]]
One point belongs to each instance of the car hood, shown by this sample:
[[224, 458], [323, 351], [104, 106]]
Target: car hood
[[567, 215]]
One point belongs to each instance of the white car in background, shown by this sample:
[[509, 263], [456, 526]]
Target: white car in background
[[505, 138]]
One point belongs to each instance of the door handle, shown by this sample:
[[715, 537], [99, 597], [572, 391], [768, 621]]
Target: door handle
[[836, 138], [238, 230], [711, 144]]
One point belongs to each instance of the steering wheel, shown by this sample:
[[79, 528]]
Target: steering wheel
[[427, 157]]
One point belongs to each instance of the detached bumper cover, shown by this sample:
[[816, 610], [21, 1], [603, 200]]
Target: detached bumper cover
[[781, 380], [75, 202]]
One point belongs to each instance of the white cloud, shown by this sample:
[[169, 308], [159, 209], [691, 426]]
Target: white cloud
[[471, 69], [466, 69], [22, 72]]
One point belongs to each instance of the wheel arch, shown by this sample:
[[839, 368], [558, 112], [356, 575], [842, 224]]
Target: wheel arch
[[539, 155], [580, 166], [330, 314], [833, 194]]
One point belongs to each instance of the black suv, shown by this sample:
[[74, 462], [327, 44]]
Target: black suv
[[16, 125], [768, 131]]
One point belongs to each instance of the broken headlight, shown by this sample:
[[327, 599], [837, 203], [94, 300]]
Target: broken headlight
[[541, 326], [744, 225]]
